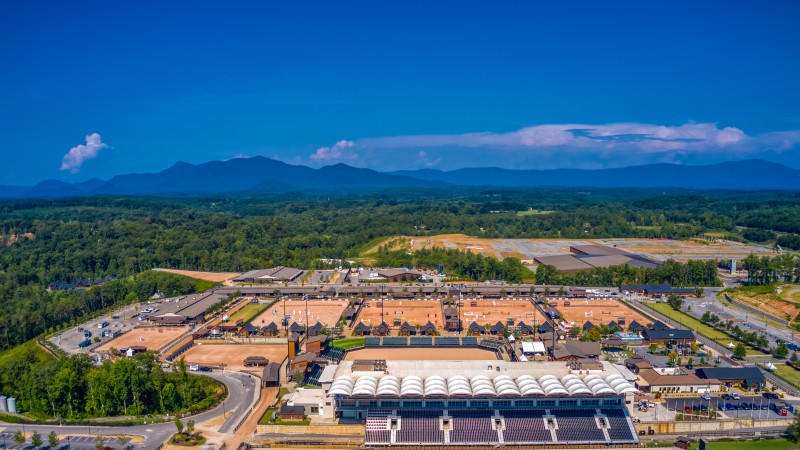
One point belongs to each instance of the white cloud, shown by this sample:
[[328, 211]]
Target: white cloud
[[75, 157], [562, 145], [341, 152]]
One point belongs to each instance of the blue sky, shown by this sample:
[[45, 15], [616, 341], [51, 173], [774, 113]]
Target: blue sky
[[94, 89]]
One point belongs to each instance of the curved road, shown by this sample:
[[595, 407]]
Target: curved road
[[241, 389]]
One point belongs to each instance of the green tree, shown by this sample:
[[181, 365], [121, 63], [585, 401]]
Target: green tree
[[190, 427], [36, 439], [53, 440], [99, 442], [793, 430], [781, 351], [740, 351], [19, 438], [121, 440], [653, 347], [179, 424]]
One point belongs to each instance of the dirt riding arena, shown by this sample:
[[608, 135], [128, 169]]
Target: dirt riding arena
[[415, 312], [326, 312], [598, 311], [489, 312], [233, 355], [422, 354], [154, 338]]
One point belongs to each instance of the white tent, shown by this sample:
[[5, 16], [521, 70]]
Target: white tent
[[730, 345], [771, 367]]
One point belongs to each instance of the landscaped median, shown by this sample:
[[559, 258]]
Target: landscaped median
[[695, 325]]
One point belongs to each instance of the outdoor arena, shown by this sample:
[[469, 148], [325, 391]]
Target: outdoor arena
[[231, 356], [326, 312], [489, 312], [415, 312], [422, 354], [154, 338], [598, 311]]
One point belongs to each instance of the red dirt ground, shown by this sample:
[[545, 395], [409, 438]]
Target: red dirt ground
[[154, 338], [415, 312]]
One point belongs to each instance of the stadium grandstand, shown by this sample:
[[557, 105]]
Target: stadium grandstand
[[483, 403]]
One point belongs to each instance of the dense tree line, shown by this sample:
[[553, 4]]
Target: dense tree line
[[74, 388], [790, 241], [767, 270], [693, 273], [461, 264]]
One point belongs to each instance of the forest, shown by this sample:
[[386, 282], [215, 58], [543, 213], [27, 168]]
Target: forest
[[45, 241], [73, 388], [694, 273]]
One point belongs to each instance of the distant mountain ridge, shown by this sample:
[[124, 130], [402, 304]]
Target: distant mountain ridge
[[260, 174], [745, 175]]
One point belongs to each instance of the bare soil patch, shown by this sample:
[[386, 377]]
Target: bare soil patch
[[154, 338], [216, 277], [233, 355], [598, 311], [327, 312]]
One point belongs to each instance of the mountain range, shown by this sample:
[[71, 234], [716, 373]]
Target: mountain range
[[259, 175]]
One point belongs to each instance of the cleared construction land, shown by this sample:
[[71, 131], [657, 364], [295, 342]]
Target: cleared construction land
[[422, 354], [492, 311], [232, 355], [779, 300], [598, 311], [527, 249], [154, 338], [216, 277], [326, 312], [415, 312]]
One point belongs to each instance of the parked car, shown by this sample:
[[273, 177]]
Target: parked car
[[705, 397], [771, 395], [205, 369], [735, 396], [689, 366], [726, 396], [194, 367]]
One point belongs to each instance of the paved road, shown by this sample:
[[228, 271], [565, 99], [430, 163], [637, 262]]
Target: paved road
[[240, 396]]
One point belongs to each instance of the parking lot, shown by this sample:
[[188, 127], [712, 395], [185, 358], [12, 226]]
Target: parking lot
[[747, 406], [119, 322]]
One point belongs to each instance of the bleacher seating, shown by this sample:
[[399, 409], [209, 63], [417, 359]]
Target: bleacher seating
[[577, 426], [448, 341], [395, 341], [421, 341], [312, 376], [377, 428], [493, 344], [372, 341], [420, 426], [469, 340], [525, 426], [619, 425], [473, 426], [332, 354]]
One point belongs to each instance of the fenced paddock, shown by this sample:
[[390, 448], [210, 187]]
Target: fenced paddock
[[599, 311], [153, 338], [326, 312], [490, 312], [232, 356], [415, 312]]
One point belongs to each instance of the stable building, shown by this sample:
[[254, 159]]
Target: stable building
[[750, 378]]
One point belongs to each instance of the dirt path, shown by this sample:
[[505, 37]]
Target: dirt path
[[248, 428]]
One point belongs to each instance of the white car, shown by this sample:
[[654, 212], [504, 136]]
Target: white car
[[705, 397], [194, 367], [735, 396]]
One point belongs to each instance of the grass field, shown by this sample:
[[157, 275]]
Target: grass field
[[767, 444], [348, 343], [249, 312], [24, 351], [788, 374], [695, 325]]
